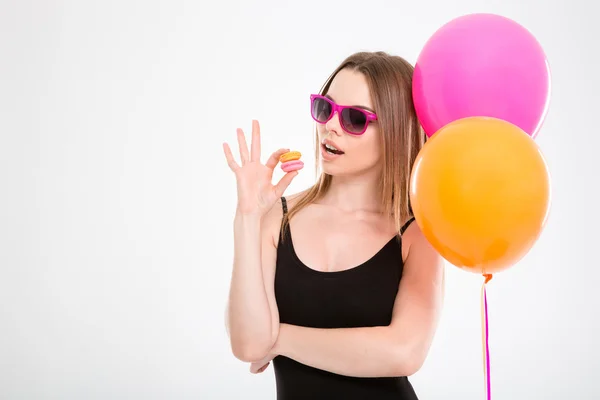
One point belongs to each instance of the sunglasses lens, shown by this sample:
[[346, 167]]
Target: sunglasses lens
[[353, 120], [321, 110]]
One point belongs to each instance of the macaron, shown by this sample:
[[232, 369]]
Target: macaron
[[290, 161]]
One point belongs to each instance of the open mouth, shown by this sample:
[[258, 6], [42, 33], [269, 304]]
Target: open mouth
[[332, 150]]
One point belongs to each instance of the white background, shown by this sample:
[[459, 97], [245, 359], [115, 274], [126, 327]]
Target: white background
[[116, 203]]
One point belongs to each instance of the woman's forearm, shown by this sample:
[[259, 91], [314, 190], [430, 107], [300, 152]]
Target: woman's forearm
[[358, 352], [249, 315]]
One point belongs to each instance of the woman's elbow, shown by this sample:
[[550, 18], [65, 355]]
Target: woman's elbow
[[251, 351], [408, 361], [408, 367]]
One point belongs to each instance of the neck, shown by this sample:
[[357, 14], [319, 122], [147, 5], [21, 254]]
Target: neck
[[354, 193]]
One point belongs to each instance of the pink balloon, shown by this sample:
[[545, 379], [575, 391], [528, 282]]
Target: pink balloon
[[482, 65]]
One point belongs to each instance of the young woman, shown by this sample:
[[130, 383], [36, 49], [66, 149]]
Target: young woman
[[337, 285]]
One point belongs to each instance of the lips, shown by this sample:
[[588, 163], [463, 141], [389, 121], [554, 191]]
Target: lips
[[331, 148]]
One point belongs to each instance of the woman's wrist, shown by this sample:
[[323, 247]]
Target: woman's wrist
[[248, 217]]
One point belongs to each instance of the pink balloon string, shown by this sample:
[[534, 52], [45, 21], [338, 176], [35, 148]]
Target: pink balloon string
[[486, 346]]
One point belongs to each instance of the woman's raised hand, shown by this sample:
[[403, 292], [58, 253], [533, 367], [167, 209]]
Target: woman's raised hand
[[256, 192]]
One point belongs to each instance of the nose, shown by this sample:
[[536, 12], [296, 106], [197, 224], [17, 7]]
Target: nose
[[333, 125]]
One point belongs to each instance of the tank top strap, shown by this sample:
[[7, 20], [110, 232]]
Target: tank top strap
[[406, 225], [284, 228], [284, 206]]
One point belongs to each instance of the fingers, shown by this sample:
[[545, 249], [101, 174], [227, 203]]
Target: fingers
[[274, 159], [256, 368], [263, 368], [255, 152], [244, 157], [284, 182], [229, 156], [255, 146]]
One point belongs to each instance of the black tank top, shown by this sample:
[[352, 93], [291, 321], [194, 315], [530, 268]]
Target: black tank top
[[359, 297]]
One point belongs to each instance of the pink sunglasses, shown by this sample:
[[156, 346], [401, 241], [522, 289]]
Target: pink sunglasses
[[353, 120]]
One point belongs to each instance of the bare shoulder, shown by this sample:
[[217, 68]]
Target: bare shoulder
[[416, 248], [293, 198]]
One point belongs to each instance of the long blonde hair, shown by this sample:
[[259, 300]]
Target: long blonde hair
[[390, 84]]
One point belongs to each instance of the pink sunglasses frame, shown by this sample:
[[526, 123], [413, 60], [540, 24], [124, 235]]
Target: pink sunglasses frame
[[336, 108]]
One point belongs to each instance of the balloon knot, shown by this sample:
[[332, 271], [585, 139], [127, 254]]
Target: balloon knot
[[488, 277]]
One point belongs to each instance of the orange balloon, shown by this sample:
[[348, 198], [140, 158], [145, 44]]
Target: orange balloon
[[480, 192]]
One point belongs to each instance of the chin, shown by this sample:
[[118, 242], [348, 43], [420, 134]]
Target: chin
[[339, 169], [333, 168]]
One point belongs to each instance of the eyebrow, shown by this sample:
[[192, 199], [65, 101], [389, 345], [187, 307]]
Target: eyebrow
[[357, 106]]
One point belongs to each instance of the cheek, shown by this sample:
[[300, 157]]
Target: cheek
[[366, 151], [373, 149], [371, 144]]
